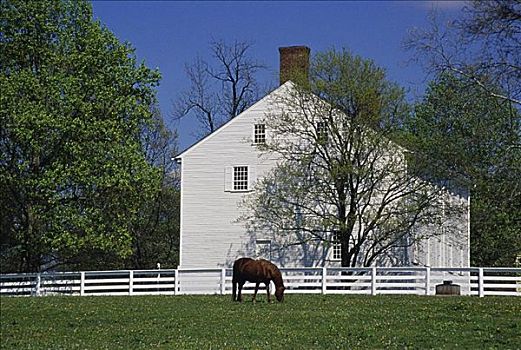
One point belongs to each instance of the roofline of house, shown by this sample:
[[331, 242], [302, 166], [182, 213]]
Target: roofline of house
[[179, 156], [454, 188]]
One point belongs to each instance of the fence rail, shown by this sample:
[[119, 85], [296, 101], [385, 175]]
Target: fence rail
[[474, 281]]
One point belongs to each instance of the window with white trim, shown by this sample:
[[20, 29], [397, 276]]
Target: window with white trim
[[336, 246], [240, 178], [259, 133]]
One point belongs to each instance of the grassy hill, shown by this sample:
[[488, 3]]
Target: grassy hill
[[301, 322]]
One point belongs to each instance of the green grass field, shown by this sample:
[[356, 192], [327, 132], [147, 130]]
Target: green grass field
[[301, 322]]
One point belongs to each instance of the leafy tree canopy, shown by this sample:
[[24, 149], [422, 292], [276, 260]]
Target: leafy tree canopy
[[463, 133], [72, 168]]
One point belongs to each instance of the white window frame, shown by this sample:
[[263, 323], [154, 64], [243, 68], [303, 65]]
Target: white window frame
[[336, 246], [240, 180], [247, 179], [259, 134]]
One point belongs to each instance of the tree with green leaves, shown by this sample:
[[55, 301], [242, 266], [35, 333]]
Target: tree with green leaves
[[73, 172], [340, 179], [462, 132], [469, 123], [155, 234]]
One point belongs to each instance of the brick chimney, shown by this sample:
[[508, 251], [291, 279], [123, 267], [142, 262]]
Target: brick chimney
[[294, 63]]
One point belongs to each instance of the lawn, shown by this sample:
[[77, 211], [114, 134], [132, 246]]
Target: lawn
[[301, 322]]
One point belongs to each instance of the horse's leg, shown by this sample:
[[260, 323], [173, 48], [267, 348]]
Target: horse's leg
[[268, 291], [255, 292], [234, 290], [241, 284]]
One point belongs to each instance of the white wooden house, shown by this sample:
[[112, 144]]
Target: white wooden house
[[219, 170]]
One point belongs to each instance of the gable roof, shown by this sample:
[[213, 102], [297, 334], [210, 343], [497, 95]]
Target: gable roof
[[286, 85]]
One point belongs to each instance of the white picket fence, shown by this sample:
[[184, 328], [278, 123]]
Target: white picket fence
[[372, 281]]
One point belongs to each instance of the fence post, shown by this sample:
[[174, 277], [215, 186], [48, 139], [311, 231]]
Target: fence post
[[82, 283], [158, 276], [481, 287], [223, 281], [324, 280], [427, 280], [38, 284], [130, 282], [176, 281], [373, 280]]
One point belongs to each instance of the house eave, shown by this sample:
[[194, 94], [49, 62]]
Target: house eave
[[178, 158]]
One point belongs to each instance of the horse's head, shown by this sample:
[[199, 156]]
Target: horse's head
[[279, 293]]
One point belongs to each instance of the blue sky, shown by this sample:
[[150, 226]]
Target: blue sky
[[168, 34]]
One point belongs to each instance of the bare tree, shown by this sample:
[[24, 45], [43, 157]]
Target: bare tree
[[220, 91], [156, 234], [200, 100], [236, 72], [340, 179], [160, 145], [484, 46]]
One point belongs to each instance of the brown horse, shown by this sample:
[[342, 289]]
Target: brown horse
[[257, 271]]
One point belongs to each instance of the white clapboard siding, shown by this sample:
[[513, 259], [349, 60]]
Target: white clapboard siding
[[211, 234]]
